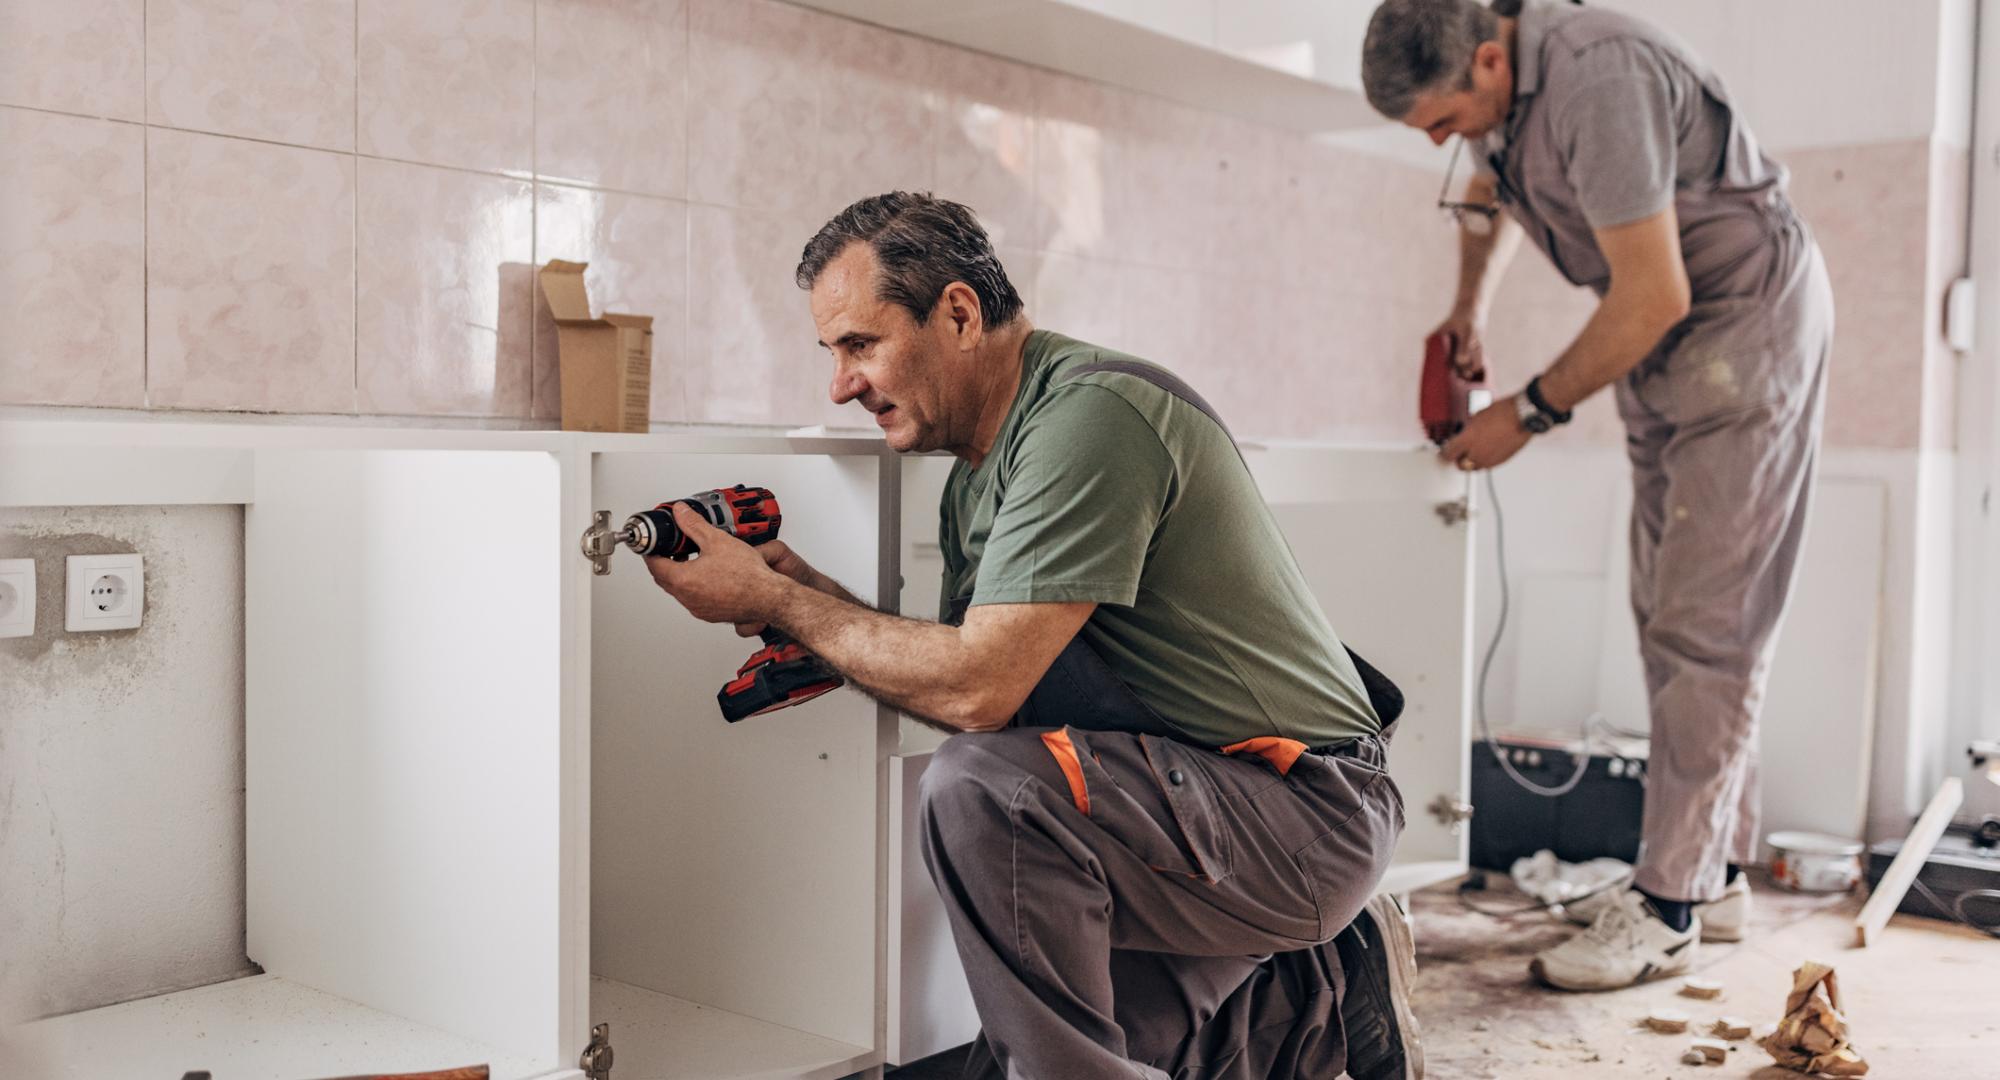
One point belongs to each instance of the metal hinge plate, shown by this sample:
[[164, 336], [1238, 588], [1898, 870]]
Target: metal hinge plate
[[596, 1059]]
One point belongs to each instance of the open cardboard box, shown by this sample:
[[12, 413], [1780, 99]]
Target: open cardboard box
[[606, 363]]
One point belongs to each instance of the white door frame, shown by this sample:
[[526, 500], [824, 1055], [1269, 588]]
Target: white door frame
[[1975, 711]]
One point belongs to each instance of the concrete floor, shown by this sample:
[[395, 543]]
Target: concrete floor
[[1923, 1003]]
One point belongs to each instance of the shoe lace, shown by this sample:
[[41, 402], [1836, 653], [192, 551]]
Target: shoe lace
[[1616, 927]]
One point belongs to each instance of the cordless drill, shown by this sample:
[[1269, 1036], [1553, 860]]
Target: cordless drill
[[782, 673], [1447, 399]]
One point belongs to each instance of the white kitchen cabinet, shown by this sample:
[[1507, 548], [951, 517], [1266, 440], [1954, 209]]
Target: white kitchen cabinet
[[1291, 64], [490, 800], [1385, 539]]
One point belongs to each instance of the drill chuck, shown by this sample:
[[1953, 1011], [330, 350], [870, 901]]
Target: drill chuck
[[748, 513]]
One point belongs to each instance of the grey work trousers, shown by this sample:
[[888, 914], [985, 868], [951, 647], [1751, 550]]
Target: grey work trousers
[[1723, 427], [1130, 906]]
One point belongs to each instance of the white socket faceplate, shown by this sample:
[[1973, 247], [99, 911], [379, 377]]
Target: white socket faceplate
[[104, 592], [17, 598]]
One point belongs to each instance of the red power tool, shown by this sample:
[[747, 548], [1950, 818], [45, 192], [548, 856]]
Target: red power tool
[[1447, 399], [782, 673]]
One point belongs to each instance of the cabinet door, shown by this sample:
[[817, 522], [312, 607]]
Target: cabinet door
[[1385, 540], [733, 869], [402, 712]]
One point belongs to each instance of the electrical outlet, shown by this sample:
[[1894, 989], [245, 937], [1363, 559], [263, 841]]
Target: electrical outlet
[[17, 598], [105, 592]]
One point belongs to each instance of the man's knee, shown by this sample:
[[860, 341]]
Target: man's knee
[[957, 778], [976, 773]]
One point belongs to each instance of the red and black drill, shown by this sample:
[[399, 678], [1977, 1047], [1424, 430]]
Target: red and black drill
[[1447, 399], [782, 673]]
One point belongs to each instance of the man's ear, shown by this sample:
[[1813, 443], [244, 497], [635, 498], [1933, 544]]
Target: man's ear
[[1490, 57], [961, 305]]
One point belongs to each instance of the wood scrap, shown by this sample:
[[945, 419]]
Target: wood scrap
[[1924, 835], [1706, 989], [1715, 1050], [1668, 1021], [1731, 1028], [1812, 1036], [1694, 1057]]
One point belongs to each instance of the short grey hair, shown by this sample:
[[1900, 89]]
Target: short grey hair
[[924, 244], [1417, 47]]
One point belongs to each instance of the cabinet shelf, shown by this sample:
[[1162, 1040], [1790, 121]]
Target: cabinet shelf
[[660, 1037], [261, 1026]]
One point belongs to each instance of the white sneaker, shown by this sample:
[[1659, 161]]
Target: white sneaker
[[1585, 910], [1627, 944], [1724, 919]]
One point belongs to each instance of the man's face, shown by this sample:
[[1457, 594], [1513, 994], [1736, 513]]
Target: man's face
[[899, 371], [1471, 111]]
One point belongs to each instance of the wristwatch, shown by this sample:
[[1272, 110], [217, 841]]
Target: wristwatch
[[1534, 410]]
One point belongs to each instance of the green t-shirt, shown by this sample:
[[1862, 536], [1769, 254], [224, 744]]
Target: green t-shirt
[[1104, 487]]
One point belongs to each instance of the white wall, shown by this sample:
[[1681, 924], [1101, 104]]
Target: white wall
[[121, 764]]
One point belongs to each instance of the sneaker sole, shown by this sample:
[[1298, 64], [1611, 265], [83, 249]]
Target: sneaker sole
[[1543, 977], [1393, 924]]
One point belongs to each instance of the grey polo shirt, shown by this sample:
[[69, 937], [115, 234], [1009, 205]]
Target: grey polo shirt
[[1613, 121]]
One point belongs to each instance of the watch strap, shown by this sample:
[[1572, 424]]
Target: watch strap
[[1534, 392]]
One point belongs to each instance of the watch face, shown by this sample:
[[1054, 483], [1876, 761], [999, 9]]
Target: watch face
[[1536, 423]]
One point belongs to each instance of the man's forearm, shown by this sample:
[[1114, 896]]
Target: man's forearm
[[1621, 332], [922, 668]]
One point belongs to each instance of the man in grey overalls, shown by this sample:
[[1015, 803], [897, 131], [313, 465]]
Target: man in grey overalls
[[1621, 156], [1159, 831]]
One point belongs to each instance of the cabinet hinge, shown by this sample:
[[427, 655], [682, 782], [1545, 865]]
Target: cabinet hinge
[[1450, 811], [1454, 511], [596, 1059]]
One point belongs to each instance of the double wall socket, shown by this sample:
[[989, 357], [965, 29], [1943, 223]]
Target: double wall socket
[[105, 592], [17, 598]]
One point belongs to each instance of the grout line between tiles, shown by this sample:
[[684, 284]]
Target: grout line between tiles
[[145, 214], [354, 223]]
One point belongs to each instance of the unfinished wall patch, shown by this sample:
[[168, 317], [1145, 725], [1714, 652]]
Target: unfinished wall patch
[[121, 767]]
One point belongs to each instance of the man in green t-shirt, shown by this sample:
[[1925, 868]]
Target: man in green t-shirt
[[1158, 834]]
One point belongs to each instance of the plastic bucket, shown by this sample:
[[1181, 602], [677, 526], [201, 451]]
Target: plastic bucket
[[1809, 862]]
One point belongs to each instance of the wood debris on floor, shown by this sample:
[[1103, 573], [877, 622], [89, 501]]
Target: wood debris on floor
[[1919, 999]]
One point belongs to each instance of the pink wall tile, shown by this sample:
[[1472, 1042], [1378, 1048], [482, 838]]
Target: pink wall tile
[[281, 70], [1167, 177], [1081, 297], [1020, 265], [985, 143], [611, 93], [1248, 228], [753, 85], [1875, 385], [1124, 176], [80, 56], [1166, 316], [1867, 206], [448, 82], [72, 260], [1074, 177], [250, 275], [637, 251], [877, 114], [444, 291], [751, 353]]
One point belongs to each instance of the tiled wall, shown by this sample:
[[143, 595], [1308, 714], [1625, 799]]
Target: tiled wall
[[335, 206]]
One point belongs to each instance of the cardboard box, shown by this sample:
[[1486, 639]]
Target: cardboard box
[[606, 364]]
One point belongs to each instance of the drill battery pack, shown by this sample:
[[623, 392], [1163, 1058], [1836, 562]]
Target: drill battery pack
[[779, 675]]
